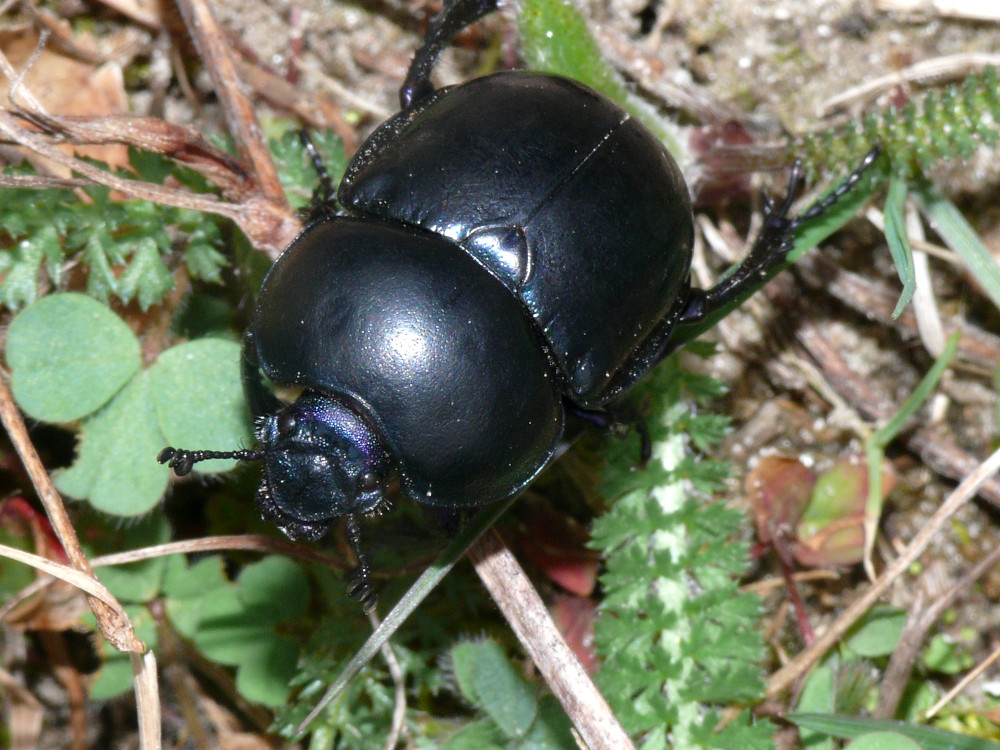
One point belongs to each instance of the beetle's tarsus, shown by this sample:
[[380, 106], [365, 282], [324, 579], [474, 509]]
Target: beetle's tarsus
[[845, 187]]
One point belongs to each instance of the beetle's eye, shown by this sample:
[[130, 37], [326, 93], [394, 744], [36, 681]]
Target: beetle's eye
[[368, 481], [287, 423]]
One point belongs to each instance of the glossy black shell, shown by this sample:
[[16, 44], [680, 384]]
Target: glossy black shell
[[511, 244], [431, 349], [571, 203]]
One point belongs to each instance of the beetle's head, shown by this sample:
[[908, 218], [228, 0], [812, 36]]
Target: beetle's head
[[322, 460]]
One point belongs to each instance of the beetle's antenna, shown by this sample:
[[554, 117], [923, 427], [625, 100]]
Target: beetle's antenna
[[182, 461]]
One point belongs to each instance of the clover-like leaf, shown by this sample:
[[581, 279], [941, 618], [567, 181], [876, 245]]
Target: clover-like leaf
[[116, 468], [68, 356]]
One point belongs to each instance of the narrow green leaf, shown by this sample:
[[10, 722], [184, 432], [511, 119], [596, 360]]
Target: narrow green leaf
[[898, 241], [959, 235], [68, 356], [884, 741], [929, 738], [888, 432]]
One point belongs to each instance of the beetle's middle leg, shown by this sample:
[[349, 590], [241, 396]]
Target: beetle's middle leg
[[619, 420], [442, 28]]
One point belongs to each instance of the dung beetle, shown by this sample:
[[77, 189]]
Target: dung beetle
[[506, 253]]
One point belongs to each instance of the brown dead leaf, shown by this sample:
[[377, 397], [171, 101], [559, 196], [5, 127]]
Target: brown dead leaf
[[68, 86]]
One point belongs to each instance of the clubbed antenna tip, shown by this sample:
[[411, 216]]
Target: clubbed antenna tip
[[182, 461]]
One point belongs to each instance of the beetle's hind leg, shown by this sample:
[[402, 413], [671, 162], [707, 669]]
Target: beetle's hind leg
[[442, 28], [770, 250]]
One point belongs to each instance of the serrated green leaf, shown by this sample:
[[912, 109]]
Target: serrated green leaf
[[204, 261], [199, 398], [489, 681], [68, 356], [295, 168], [146, 277], [101, 281], [20, 285], [116, 468]]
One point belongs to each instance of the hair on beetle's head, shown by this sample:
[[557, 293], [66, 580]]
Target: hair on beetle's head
[[322, 460]]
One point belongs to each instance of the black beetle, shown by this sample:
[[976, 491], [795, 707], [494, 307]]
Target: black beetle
[[509, 251]]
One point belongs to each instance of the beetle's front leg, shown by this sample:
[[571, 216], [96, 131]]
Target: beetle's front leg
[[359, 584], [442, 28]]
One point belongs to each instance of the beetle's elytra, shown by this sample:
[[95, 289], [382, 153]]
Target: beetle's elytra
[[506, 252]]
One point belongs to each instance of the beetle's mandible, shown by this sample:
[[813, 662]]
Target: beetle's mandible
[[507, 252]]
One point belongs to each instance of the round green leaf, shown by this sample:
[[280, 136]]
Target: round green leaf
[[877, 633], [266, 679], [269, 581], [69, 355], [199, 399], [116, 469], [137, 581]]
